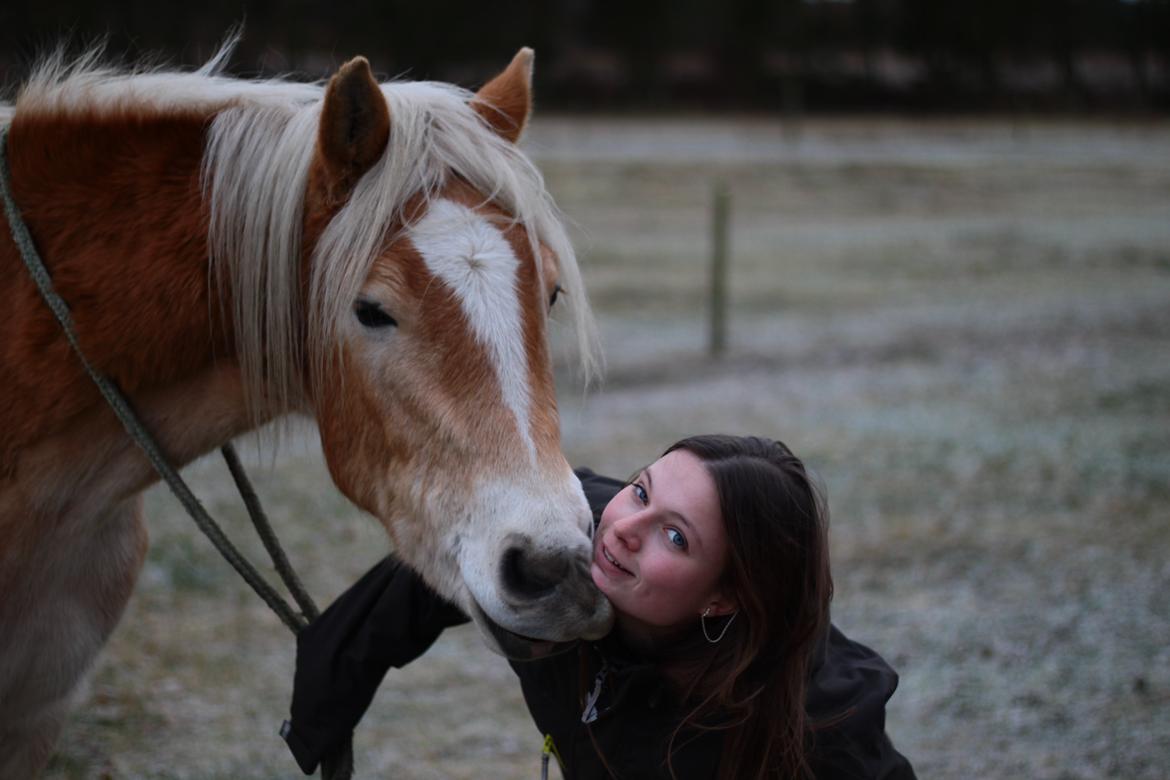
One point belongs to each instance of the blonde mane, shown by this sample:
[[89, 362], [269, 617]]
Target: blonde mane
[[255, 167]]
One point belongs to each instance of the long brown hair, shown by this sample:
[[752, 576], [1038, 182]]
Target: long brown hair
[[752, 683]]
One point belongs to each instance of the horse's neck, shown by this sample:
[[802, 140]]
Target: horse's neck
[[115, 207]]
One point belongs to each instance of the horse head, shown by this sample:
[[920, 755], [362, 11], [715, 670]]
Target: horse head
[[430, 373]]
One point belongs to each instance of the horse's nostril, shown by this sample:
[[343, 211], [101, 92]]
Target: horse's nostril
[[530, 575]]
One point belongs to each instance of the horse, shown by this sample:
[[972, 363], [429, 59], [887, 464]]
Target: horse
[[379, 257]]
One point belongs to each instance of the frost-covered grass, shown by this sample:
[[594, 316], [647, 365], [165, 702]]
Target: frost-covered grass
[[963, 327]]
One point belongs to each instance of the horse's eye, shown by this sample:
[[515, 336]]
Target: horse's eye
[[371, 315], [557, 290]]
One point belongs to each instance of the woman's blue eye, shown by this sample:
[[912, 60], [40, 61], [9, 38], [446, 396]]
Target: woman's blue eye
[[640, 493], [676, 538]]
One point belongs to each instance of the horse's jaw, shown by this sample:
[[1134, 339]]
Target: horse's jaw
[[513, 646]]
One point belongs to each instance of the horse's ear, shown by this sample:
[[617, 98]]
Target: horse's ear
[[506, 101], [355, 124]]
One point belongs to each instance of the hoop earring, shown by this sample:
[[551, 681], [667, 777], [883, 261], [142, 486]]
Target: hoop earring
[[706, 634]]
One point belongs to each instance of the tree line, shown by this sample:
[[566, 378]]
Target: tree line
[[790, 55]]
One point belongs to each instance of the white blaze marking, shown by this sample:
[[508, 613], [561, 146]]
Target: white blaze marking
[[472, 256]]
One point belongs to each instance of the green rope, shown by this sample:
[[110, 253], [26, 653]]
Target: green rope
[[337, 765], [264, 529]]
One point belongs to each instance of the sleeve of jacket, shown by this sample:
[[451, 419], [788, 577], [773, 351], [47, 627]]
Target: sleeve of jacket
[[847, 696], [387, 618]]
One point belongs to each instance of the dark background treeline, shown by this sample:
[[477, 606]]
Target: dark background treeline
[[671, 55]]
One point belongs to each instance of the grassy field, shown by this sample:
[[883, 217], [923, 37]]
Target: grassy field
[[964, 327]]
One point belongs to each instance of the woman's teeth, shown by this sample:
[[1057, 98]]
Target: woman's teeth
[[610, 558]]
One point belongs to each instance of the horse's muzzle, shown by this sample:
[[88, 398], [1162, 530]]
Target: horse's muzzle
[[543, 594]]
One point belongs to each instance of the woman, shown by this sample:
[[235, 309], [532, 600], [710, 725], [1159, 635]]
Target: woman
[[722, 662]]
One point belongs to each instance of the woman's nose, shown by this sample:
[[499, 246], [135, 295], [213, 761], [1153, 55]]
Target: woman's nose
[[627, 530]]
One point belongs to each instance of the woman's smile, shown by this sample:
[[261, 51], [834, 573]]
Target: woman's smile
[[607, 557]]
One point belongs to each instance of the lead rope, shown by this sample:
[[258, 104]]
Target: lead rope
[[267, 536], [338, 766]]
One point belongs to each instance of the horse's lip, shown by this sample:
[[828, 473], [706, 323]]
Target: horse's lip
[[517, 647]]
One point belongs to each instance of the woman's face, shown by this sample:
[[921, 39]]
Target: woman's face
[[661, 547]]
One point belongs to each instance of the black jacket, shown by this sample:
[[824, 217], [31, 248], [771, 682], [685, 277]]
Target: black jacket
[[390, 617]]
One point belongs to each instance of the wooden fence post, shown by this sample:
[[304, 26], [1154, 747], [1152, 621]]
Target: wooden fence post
[[717, 308]]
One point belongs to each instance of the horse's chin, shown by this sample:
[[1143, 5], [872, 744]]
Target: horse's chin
[[513, 646]]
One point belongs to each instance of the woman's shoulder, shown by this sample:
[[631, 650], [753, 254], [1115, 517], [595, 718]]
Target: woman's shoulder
[[847, 676], [848, 688]]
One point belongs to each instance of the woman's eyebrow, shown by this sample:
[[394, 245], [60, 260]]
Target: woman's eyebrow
[[684, 521], [670, 512]]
